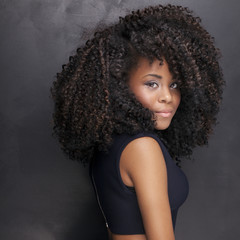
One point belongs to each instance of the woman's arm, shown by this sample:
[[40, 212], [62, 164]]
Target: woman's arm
[[143, 163]]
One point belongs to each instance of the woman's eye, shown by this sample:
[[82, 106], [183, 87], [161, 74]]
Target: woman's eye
[[174, 85], [152, 84]]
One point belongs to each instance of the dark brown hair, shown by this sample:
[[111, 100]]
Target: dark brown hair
[[92, 98]]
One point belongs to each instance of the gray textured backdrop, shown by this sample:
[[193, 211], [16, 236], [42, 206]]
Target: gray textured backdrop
[[46, 196]]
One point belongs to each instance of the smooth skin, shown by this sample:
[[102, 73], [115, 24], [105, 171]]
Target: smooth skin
[[142, 163], [154, 86]]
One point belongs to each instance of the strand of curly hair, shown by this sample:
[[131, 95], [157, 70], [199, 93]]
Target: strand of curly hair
[[91, 94]]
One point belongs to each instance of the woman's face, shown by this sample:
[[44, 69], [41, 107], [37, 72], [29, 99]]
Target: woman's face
[[156, 90]]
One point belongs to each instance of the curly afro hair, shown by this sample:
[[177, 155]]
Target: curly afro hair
[[91, 94]]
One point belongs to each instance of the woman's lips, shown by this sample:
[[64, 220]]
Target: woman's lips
[[164, 114]]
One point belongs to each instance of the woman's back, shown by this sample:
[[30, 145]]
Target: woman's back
[[118, 201]]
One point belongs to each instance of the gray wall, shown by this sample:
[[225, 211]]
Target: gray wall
[[46, 196]]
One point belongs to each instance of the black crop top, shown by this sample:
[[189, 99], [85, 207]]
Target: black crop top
[[117, 201]]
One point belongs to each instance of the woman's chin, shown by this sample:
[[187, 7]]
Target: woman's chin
[[162, 125]]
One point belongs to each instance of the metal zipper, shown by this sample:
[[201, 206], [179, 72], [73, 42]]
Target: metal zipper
[[95, 188]]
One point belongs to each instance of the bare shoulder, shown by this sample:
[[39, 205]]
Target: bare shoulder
[[141, 152], [142, 142]]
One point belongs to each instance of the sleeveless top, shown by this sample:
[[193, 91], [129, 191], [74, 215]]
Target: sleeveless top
[[117, 201]]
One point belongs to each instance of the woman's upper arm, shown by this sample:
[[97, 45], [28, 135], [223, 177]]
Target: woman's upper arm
[[144, 163]]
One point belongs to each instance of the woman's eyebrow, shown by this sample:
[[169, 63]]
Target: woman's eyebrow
[[154, 75]]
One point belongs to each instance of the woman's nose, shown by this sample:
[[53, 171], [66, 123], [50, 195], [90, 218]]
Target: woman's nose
[[165, 95]]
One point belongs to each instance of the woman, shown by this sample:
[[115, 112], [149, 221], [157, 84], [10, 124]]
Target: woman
[[137, 96]]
